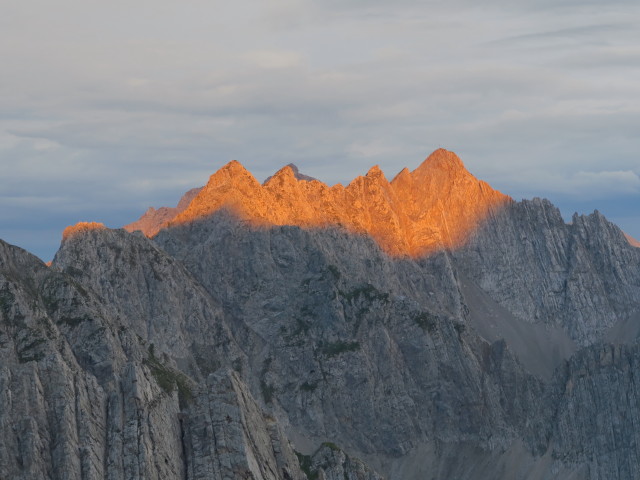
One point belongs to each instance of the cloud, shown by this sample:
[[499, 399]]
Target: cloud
[[269, 59], [122, 105], [581, 37], [604, 183]]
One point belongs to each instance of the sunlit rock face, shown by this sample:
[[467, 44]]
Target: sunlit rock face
[[153, 219], [436, 206], [80, 228], [632, 241]]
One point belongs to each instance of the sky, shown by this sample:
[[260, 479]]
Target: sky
[[107, 108]]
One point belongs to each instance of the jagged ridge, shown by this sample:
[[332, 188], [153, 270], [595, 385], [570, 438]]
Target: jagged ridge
[[152, 220], [215, 349], [438, 205]]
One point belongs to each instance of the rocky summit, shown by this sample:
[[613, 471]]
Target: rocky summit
[[434, 207], [427, 327]]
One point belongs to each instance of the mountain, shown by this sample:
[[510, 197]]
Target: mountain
[[436, 206], [428, 327], [153, 220], [296, 174]]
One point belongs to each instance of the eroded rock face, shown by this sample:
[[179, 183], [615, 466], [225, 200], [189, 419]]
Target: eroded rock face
[[78, 401], [382, 310], [330, 462], [229, 436], [96, 382], [597, 414], [221, 349], [582, 276]]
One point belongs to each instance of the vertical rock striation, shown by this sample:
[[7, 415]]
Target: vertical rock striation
[[582, 276], [429, 326]]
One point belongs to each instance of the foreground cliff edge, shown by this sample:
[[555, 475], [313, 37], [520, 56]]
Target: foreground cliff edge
[[427, 327]]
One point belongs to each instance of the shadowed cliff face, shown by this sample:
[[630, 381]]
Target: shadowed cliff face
[[223, 343], [438, 205], [578, 276]]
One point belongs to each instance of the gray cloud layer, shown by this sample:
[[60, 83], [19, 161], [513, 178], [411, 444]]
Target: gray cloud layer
[[107, 108]]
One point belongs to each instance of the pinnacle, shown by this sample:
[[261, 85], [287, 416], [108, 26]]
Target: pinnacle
[[293, 167], [296, 174], [287, 171], [375, 172], [442, 160], [402, 176], [234, 166], [285, 174], [233, 171]]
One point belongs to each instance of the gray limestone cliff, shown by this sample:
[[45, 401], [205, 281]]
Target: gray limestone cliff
[[582, 276], [219, 350], [85, 395]]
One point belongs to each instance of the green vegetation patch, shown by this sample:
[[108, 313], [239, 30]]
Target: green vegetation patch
[[7, 299], [169, 379], [267, 391], [332, 446], [306, 461], [308, 387], [334, 271], [34, 357], [74, 321], [426, 321], [300, 329], [367, 292], [73, 271], [336, 348], [27, 353], [306, 465], [237, 365]]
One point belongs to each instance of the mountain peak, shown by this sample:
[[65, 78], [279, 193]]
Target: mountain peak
[[234, 166], [299, 175], [441, 161], [232, 173], [154, 219], [438, 205], [81, 227], [375, 172], [286, 174], [296, 174]]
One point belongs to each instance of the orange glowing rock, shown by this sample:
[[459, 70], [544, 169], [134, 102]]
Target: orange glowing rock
[[81, 227], [632, 241], [153, 219], [436, 206]]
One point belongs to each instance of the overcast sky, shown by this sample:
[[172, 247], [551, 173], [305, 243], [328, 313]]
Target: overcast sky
[[107, 108]]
